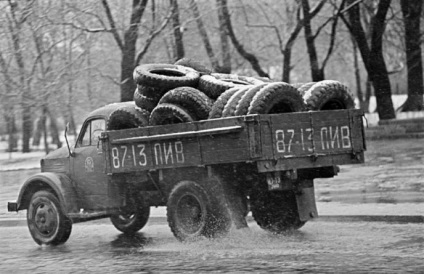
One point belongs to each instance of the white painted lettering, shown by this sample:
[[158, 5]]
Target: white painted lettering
[[324, 138], [168, 153], [345, 132], [310, 138], [179, 152], [142, 154], [279, 136], [334, 137], [158, 154]]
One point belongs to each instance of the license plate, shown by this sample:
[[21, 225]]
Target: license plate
[[274, 182]]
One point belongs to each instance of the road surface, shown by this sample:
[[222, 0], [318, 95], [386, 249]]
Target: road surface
[[348, 247]]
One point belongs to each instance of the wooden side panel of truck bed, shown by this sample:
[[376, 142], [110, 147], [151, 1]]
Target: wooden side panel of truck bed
[[275, 142]]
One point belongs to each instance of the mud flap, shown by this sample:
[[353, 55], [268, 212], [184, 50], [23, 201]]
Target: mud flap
[[306, 205]]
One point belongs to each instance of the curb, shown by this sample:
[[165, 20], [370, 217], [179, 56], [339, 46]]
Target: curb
[[161, 220], [396, 129]]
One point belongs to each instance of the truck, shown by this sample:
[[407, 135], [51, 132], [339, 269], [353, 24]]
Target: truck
[[209, 174]]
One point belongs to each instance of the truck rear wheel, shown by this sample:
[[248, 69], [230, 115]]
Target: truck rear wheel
[[276, 211], [192, 213], [47, 222], [131, 218]]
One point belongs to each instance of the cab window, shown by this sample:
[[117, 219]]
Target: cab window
[[91, 133]]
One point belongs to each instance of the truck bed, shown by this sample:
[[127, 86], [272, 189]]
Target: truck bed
[[273, 141]]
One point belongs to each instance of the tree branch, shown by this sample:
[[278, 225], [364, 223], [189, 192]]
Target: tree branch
[[239, 47], [149, 40], [333, 36], [113, 30]]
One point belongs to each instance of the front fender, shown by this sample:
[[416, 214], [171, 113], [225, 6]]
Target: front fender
[[60, 184]]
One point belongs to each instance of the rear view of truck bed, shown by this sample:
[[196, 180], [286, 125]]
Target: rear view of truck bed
[[274, 141]]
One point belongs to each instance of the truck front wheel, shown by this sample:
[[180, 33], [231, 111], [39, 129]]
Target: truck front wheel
[[131, 218], [193, 213], [47, 223], [276, 211]]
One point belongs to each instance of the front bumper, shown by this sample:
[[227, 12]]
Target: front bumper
[[12, 206]]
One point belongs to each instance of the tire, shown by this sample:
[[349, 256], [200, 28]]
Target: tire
[[275, 211], [216, 84], [144, 102], [328, 95], [165, 114], [193, 213], [165, 76], [132, 218], [246, 99], [304, 88], [297, 85], [218, 106], [47, 222], [151, 92], [127, 117], [191, 99], [276, 98], [194, 64], [231, 106], [237, 79]]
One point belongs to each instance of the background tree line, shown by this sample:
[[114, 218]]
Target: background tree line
[[61, 59]]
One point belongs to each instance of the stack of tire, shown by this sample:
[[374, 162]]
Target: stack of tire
[[188, 91]]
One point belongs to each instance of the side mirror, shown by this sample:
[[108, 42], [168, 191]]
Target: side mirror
[[71, 153]]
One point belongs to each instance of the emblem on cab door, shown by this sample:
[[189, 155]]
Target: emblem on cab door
[[89, 164]]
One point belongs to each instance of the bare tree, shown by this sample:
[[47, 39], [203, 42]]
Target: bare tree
[[286, 47], [251, 58], [225, 49], [16, 18], [412, 16], [8, 99], [317, 71], [127, 44], [372, 54]]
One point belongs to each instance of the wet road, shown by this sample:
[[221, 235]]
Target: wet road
[[357, 247]]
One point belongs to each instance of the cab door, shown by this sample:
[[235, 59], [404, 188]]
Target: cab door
[[95, 188]]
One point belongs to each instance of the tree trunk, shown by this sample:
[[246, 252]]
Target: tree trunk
[[38, 131], [373, 58], [359, 92], [225, 43], [288, 50], [316, 72], [380, 76], [127, 46], [54, 130], [11, 131], [177, 30], [15, 30], [42, 121], [411, 17]]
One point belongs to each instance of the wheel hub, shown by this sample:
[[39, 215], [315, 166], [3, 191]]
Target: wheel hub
[[45, 219]]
